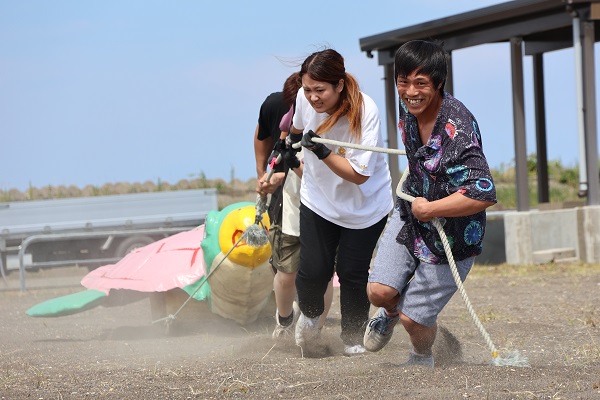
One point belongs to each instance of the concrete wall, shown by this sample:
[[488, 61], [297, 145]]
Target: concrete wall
[[532, 235], [542, 236], [589, 232], [517, 231]]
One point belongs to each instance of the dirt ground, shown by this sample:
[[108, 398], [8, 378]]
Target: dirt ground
[[549, 314]]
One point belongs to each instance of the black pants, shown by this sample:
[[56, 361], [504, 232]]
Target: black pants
[[325, 247]]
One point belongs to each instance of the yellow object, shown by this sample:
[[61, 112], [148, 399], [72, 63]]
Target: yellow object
[[233, 227]]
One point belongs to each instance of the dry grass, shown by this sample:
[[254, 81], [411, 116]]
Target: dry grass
[[523, 271]]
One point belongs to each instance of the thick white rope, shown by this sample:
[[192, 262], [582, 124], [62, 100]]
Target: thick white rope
[[354, 146], [262, 202], [436, 222], [438, 225], [514, 359]]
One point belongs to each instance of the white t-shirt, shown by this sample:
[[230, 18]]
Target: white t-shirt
[[331, 197]]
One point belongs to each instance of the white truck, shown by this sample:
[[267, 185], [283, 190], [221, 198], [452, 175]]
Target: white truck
[[93, 231]]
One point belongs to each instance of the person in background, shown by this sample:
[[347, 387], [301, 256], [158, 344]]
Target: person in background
[[411, 280], [266, 134], [345, 197], [284, 189]]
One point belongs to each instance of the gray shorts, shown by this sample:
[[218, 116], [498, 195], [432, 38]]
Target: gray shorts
[[424, 289], [285, 250]]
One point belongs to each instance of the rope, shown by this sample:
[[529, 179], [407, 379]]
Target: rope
[[261, 207], [438, 225], [436, 222], [514, 359], [262, 202], [359, 146]]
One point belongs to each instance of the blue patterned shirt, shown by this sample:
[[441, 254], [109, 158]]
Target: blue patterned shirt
[[451, 161]]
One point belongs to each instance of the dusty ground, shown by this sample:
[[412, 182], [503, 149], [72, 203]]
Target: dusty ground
[[550, 314]]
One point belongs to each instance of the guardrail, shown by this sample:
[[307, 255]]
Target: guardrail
[[51, 237]]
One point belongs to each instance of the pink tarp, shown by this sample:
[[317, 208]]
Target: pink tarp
[[173, 262]]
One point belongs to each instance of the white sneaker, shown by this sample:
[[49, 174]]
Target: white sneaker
[[281, 331], [307, 330], [379, 330], [356, 349]]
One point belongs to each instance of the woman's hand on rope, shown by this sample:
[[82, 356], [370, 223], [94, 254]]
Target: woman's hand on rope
[[320, 150], [293, 138], [274, 159], [289, 157]]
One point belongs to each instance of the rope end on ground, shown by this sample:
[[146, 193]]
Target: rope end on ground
[[167, 320], [513, 359]]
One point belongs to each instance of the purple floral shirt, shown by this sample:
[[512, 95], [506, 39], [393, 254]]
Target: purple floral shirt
[[451, 161]]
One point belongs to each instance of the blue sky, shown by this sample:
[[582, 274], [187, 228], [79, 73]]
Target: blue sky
[[95, 92]]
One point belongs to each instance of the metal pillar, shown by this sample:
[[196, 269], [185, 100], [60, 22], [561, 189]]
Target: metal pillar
[[540, 128], [449, 87], [579, 85], [591, 132], [392, 129], [516, 61]]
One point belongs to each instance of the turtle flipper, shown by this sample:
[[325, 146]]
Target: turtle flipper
[[67, 305]]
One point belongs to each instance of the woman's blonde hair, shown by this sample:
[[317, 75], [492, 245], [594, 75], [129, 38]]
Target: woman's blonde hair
[[328, 66]]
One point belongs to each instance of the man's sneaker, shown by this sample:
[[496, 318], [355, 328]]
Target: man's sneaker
[[307, 330], [350, 350], [281, 330], [415, 360], [379, 330]]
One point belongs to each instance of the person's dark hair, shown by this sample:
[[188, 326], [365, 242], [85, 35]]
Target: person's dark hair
[[290, 88], [424, 57], [328, 66]]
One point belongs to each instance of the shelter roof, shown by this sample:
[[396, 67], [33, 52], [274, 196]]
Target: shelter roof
[[543, 25]]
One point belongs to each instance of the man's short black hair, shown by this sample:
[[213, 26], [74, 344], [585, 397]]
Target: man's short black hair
[[424, 57]]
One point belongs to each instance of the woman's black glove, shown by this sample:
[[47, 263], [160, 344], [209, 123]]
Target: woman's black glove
[[292, 138], [320, 150], [290, 159]]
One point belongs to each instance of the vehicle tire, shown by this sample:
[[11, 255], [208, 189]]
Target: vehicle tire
[[131, 243]]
